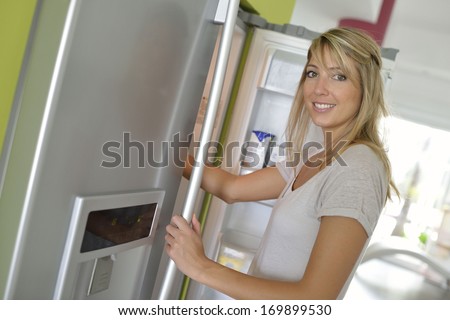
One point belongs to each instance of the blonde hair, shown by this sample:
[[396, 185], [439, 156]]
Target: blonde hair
[[345, 45]]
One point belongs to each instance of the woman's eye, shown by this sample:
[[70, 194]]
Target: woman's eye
[[311, 74], [339, 77]]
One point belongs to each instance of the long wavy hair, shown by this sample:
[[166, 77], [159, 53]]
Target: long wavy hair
[[344, 46]]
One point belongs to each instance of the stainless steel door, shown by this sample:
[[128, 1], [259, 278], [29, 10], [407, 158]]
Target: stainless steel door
[[110, 87]]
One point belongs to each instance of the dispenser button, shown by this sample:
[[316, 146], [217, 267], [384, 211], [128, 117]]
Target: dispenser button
[[101, 275]]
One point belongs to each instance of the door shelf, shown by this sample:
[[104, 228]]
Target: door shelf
[[237, 249]]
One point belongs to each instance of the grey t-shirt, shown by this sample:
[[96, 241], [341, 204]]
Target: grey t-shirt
[[356, 189]]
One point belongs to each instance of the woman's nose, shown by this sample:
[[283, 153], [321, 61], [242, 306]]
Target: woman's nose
[[321, 86]]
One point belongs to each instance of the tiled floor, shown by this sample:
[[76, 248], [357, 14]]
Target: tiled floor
[[380, 280]]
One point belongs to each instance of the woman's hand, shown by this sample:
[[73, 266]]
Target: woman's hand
[[184, 246]]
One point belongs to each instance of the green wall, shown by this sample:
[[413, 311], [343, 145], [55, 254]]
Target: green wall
[[15, 21], [274, 11]]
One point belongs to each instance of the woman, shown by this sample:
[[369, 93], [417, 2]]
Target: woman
[[328, 205]]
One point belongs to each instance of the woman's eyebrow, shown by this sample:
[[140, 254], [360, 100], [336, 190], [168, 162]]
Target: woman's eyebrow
[[311, 65]]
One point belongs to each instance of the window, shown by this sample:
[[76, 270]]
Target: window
[[420, 158]]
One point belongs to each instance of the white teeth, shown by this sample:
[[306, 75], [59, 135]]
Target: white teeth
[[323, 105]]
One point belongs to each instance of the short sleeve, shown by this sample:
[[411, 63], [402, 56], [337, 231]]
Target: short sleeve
[[356, 189]]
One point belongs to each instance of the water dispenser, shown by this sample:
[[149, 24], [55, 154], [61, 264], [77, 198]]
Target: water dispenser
[[108, 246]]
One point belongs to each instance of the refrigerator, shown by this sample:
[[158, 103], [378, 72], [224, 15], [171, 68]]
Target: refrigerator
[[271, 64], [107, 99]]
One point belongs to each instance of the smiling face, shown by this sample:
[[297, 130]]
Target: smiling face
[[332, 96]]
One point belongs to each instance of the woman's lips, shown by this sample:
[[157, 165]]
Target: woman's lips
[[322, 107]]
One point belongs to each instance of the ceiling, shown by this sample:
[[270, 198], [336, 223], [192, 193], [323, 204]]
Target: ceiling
[[420, 89]]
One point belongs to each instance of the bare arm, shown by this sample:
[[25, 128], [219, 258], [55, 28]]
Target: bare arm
[[263, 184], [336, 250]]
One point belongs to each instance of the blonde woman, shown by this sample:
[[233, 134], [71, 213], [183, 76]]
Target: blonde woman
[[329, 204]]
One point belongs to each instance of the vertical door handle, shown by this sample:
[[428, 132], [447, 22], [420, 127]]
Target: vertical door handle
[[206, 132]]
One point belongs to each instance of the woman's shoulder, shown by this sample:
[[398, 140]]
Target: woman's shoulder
[[360, 155], [360, 151]]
